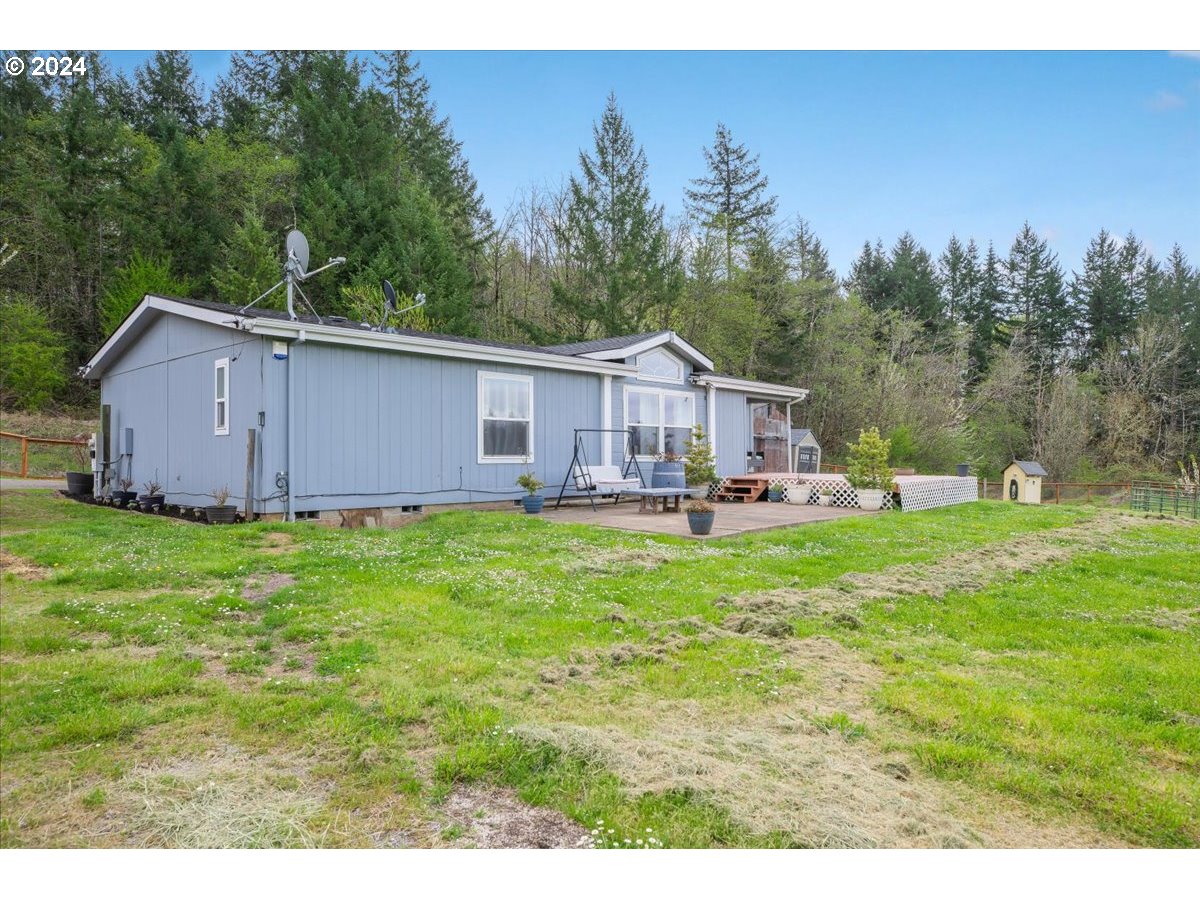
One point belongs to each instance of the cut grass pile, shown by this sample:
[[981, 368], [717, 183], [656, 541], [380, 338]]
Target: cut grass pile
[[169, 685]]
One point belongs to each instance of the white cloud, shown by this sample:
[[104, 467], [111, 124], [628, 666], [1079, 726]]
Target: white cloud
[[1163, 101], [1186, 54]]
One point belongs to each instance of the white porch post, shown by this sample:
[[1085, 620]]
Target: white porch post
[[606, 440]]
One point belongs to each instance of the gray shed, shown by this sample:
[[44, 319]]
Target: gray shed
[[806, 452]]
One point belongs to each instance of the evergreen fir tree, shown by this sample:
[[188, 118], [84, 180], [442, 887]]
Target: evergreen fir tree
[[167, 95], [958, 273], [1099, 296], [1036, 295], [916, 284], [625, 274], [807, 255], [732, 195]]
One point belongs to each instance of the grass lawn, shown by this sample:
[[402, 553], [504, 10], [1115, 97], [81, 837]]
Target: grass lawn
[[979, 675]]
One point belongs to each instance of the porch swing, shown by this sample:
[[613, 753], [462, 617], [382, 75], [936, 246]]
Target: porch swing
[[601, 480]]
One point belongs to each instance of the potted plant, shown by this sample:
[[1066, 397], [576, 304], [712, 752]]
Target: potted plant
[[868, 471], [124, 495], [775, 491], [700, 465], [799, 494], [152, 496], [824, 494], [81, 481], [668, 471], [532, 501], [700, 516], [220, 513]]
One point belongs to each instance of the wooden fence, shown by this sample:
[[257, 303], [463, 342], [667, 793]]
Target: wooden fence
[[47, 465]]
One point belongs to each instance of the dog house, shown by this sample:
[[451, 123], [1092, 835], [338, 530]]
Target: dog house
[[1023, 481]]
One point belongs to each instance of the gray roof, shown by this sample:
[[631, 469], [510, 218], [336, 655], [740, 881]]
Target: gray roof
[[578, 348], [799, 434], [1030, 468], [256, 312]]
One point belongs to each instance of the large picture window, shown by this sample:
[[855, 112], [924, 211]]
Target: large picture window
[[505, 417], [221, 397], [661, 420]]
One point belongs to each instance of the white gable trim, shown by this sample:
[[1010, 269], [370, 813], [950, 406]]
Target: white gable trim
[[752, 388], [666, 338]]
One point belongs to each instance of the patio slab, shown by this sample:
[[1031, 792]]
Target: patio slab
[[732, 518]]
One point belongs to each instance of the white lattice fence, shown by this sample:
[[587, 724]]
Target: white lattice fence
[[930, 493]]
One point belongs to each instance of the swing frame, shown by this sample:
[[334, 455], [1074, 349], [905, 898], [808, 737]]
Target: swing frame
[[579, 460]]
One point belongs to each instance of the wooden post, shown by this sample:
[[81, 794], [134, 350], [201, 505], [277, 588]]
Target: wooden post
[[24, 457], [250, 437], [1057, 498]]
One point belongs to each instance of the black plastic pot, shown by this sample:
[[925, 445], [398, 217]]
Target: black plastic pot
[[80, 482], [149, 501], [533, 503], [120, 498], [964, 470], [701, 522], [220, 515]]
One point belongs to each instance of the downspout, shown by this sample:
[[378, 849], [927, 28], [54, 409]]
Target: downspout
[[790, 453], [710, 391]]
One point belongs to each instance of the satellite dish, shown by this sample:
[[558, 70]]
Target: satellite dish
[[389, 295], [297, 244]]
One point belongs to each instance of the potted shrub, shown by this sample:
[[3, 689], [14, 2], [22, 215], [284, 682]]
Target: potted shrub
[[668, 471], [220, 513], [799, 494], [775, 491], [700, 464], [824, 495], [700, 516], [532, 501], [868, 471], [152, 496], [124, 495], [81, 481]]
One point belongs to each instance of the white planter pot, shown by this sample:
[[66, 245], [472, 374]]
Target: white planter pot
[[870, 499], [795, 495], [824, 499]]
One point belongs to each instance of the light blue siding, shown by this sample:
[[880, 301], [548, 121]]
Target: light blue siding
[[378, 428], [163, 389]]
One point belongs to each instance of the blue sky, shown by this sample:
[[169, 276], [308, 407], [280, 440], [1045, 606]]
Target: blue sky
[[864, 145]]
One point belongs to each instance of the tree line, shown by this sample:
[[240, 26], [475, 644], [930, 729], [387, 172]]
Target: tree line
[[115, 186]]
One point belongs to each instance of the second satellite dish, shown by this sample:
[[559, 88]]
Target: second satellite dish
[[389, 295], [297, 245]]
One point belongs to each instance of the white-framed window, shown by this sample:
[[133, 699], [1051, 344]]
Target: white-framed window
[[505, 418], [221, 396], [661, 420], [659, 365]]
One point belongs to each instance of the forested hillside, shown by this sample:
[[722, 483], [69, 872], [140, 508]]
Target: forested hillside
[[111, 187]]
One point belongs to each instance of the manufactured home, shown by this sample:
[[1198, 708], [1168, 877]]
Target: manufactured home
[[305, 415]]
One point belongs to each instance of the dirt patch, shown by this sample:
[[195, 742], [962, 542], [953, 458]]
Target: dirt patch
[[967, 572], [494, 818], [21, 567], [260, 589], [611, 562], [276, 542]]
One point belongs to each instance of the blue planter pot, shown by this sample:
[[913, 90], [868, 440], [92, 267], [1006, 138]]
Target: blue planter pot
[[533, 503], [775, 496], [667, 475], [701, 522]]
